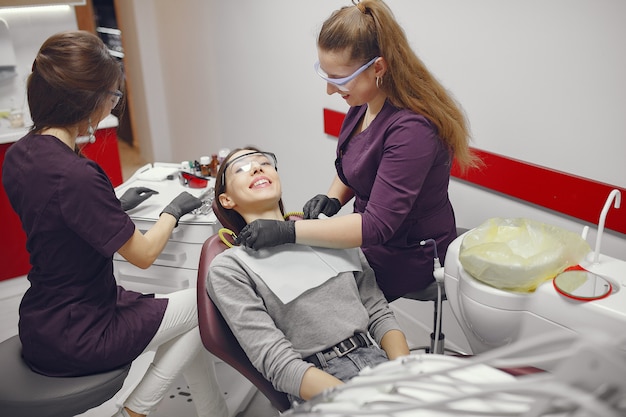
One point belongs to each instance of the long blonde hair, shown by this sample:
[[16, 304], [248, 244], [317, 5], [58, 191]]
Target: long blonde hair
[[369, 29]]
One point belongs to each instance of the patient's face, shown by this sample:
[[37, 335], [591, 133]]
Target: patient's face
[[252, 182]]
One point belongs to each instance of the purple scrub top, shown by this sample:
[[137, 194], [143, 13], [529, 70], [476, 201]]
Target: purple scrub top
[[74, 318], [399, 171]]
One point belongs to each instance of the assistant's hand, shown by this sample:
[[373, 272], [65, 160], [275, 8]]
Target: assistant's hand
[[135, 196], [321, 204], [266, 233], [181, 205]]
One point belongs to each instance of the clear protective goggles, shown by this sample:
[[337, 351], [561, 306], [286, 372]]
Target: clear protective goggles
[[243, 163], [341, 83]]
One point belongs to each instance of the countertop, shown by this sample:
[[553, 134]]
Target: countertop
[[10, 135], [155, 176]]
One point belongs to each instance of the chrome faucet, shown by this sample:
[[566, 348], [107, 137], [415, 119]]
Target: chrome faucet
[[616, 196]]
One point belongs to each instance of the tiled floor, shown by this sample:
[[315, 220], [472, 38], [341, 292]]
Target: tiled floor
[[178, 404]]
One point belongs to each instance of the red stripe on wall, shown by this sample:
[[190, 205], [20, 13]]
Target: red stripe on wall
[[565, 193], [332, 122]]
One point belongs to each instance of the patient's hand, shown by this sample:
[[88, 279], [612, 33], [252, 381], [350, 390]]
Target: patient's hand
[[394, 344], [316, 381], [266, 233]]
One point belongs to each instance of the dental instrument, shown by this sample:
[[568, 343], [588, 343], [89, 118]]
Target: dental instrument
[[587, 381]]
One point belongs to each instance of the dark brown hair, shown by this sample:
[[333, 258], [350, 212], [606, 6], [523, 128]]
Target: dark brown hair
[[71, 78], [229, 218], [368, 30]]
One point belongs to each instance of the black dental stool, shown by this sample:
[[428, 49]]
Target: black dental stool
[[25, 393]]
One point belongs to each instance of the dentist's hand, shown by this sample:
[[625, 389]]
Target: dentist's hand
[[135, 196], [321, 204], [266, 233], [181, 205]]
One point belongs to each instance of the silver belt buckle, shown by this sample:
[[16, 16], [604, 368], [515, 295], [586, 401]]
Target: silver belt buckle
[[340, 353]]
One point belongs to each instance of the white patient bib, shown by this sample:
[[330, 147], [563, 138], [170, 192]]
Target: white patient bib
[[290, 270]]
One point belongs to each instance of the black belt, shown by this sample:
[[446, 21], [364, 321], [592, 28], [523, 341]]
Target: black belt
[[340, 349]]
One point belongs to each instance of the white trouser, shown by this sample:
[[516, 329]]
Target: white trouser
[[179, 350]]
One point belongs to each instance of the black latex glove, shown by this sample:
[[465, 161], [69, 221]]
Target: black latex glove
[[267, 233], [321, 204], [181, 205], [135, 196]]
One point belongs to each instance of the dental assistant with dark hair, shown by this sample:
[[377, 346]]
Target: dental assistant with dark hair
[[74, 319], [394, 154]]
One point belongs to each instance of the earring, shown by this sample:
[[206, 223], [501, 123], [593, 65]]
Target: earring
[[91, 132], [379, 82]]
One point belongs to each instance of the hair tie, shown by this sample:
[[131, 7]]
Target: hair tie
[[359, 6]]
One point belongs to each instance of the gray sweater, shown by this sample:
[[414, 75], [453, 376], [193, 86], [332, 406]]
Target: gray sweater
[[276, 336]]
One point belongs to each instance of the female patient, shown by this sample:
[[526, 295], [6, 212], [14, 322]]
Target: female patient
[[296, 320]]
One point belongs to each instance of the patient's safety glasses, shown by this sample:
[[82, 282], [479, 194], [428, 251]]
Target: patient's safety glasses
[[341, 83], [243, 163]]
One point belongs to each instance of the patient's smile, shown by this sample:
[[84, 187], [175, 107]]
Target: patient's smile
[[260, 183]]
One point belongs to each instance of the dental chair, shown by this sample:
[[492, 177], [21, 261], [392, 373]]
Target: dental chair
[[430, 293], [217, 337], [25, 393]]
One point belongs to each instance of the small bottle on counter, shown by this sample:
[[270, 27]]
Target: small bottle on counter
[[205, 166], [222, 154], [214, 165], [186, 166]]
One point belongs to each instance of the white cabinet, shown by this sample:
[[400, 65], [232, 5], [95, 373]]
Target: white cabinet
[[177, 266]]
